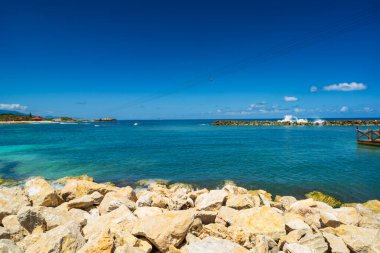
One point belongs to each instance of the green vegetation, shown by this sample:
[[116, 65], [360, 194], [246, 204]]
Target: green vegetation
[[14, 117], [319, 196], [7, 181]]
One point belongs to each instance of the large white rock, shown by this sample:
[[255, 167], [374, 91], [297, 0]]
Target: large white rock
[[117, 216], [41, 193], [66, 238], [240, 201], [166, 229], [11, 201], [336, 244], [296, 248], [261, 221], [211, 201], [78, 188], [8, 246], [114, 200], [214, 245], [359, 239], [146, 211]]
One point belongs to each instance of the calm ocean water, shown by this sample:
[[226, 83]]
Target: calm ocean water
[[282, 160]]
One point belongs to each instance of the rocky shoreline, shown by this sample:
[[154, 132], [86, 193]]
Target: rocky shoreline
[[295, 123], [76, 214]]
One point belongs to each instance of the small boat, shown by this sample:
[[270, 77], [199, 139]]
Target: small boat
[[368, 137], [136, 124]]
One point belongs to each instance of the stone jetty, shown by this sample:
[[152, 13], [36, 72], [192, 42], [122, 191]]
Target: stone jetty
[[299, 123], [79, 215]]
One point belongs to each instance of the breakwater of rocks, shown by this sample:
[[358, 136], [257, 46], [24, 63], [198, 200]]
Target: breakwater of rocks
[[297, 123], [76, 214]]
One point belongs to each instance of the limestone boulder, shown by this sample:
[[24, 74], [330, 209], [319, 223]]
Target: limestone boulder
[[296, 248], [31, 218], [343, 215], [261, 221], [240, 201], [41, 193], [16, 231], [102, 243], [214, 230], [233, 189], [114, 200], [374, 205], [12, 199], [206, 217], [66, 238], [211, 201], [166, 229], [8, 246], [195, 194], [180, 200], [213, 245], [118, 216], [122, 237], [85, 201], [226, 215], [286, 201], [79, 188], [336, 243], [142, 212], [316, 242], [358, 239], [296, 224], [30, 239]]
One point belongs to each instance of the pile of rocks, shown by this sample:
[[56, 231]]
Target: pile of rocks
[[79, 215]]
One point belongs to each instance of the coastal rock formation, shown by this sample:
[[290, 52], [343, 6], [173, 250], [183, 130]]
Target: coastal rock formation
[[41, 193], [85, 216]]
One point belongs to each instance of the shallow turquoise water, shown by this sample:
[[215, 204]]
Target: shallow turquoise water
[[282, 160]]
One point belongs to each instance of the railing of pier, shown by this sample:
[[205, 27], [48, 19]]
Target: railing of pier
[[370, 134]]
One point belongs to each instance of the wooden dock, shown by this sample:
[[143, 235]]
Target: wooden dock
[[368, 137]]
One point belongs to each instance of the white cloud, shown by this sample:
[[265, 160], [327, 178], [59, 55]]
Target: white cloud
[[367, 109], [313, 89], [14, 107], [345, 87], [290, 99], [219, 111], [344, 109]]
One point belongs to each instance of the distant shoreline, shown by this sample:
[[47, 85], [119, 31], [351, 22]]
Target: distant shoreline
[[356, 122]]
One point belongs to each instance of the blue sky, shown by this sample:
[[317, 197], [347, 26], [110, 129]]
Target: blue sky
[[191, 59]]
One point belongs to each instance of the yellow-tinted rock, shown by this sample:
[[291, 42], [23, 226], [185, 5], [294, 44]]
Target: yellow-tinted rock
[[262, 221], [374, 205], [240, 201], [166, 229], [258, 192], [78, 188], [360, 240], [66, 238], [41, 193], [103, 243]]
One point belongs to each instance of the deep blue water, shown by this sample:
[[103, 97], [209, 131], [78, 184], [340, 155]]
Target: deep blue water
[[282, 160]]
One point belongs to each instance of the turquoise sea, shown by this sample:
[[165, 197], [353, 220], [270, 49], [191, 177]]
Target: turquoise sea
[[281, 160]]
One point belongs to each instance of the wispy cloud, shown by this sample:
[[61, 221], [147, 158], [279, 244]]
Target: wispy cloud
[[344, 109], [345, 87], [290, 99], [14, 107], [313, 89]]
